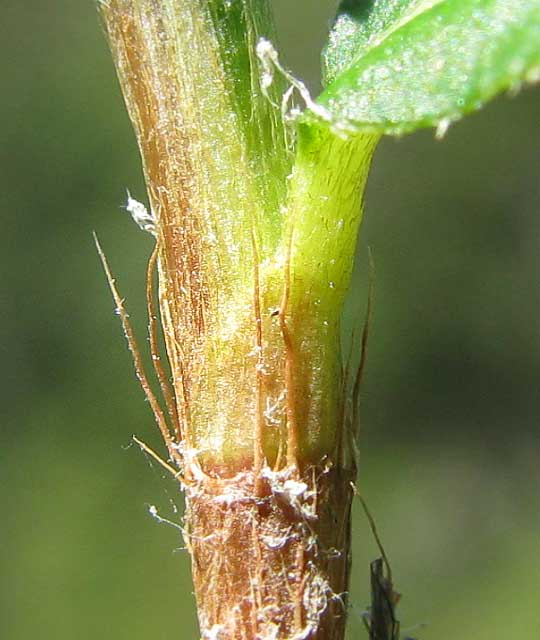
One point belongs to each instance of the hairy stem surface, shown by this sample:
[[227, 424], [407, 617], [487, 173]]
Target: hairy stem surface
[[253, 257]]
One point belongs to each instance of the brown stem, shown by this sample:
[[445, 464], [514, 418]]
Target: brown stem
[[274, 565], [268, 497]]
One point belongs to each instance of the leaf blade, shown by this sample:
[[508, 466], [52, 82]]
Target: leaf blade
[[433, 68], [359, 25]]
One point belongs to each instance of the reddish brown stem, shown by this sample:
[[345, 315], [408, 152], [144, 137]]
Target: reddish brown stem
[[274, 565]]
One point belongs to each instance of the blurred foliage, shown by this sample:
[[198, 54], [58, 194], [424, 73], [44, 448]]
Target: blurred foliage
[[449, 461]]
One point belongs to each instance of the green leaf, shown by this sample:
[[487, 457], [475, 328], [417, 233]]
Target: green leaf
[[396, 65], [358, 24]]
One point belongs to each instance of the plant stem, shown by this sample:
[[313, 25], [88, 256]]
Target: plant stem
[[254, 259], [271, 563]]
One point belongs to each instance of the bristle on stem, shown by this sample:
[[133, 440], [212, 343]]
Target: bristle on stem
[[136, 354]]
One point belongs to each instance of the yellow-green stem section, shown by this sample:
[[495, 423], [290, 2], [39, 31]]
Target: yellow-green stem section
[[254, 258], [325, 211]]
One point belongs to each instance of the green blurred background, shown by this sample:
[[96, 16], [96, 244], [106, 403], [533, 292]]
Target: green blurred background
[[451, 401]]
